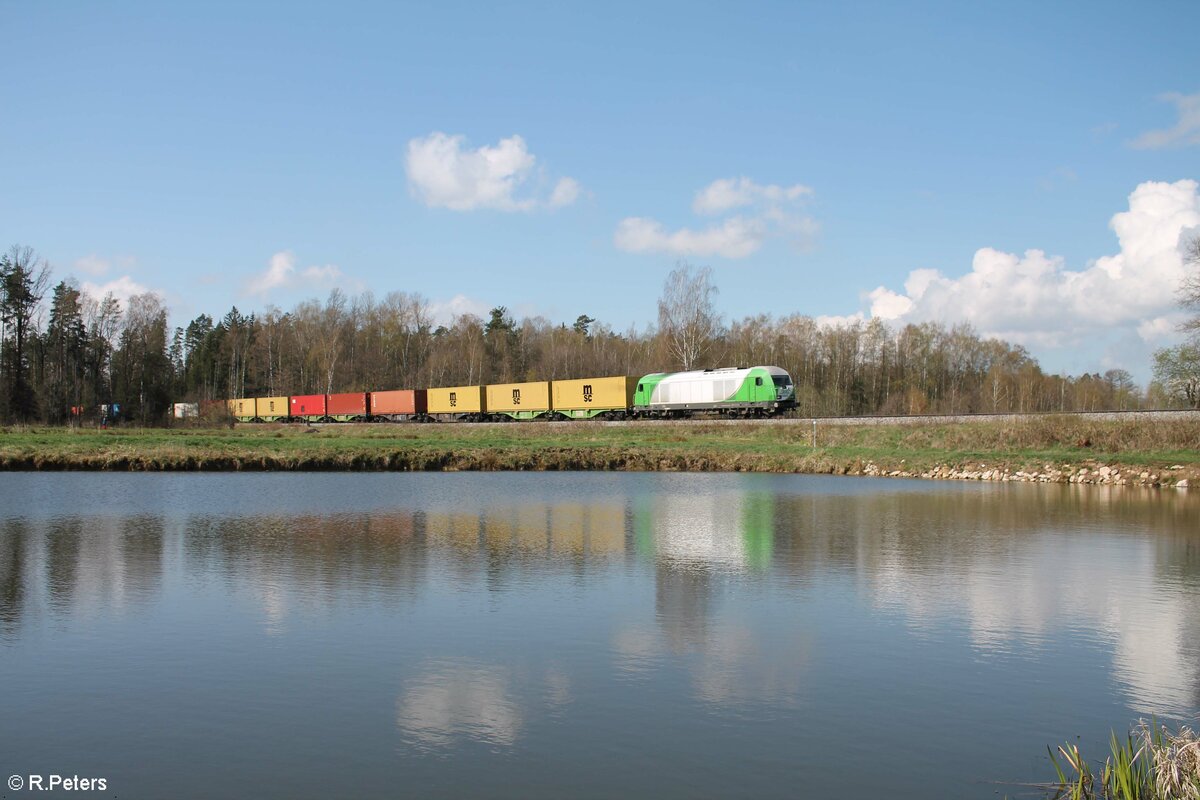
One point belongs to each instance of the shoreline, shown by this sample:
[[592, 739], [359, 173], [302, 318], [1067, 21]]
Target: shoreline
[[1035, 450]]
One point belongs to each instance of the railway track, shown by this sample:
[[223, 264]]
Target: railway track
[[1185, 414]]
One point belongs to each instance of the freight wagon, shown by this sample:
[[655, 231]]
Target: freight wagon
[[467, 403], [399, 405], [308, 408], [346, 407], [272, 409], [518, 400], [587, 398]]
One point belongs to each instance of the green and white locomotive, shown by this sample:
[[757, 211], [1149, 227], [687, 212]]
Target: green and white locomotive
[[731, 392]]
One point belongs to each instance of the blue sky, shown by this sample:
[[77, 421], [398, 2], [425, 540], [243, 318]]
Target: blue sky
[[892, 159]]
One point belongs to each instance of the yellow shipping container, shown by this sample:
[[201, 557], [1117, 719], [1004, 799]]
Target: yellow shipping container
[[271, 408], [456, 400], [510, 397], [594, 393], [242, 408], [606, 529]]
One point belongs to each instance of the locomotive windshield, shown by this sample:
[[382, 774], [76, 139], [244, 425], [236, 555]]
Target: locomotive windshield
[[781, 381]]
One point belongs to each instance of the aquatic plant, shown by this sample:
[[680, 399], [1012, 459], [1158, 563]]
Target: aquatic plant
[[1150, 763]]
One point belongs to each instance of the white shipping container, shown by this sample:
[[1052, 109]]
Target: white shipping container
[[186, 410]]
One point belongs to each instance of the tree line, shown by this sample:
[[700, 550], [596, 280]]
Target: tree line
[[64, 354]]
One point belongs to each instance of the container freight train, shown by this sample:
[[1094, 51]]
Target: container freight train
[[731, 392]]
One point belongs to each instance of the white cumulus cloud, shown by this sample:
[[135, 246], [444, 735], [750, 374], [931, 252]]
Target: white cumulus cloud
[[1186, 131], [765, 210], [444, 312], [93, 265], [1033, 298], [566, 192], [726, 194], [736, 237], [281, 273], [443, 172], [121, 288]]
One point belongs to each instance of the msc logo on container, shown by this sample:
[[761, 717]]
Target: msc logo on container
[[587, 393], [453, 399], [516, 397]]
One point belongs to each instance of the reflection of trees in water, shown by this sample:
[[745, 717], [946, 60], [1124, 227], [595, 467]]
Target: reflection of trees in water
[[12, 574], [1023, 564], [309, 559], [73, 564]]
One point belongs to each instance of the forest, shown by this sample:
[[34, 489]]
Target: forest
[[64, 354]]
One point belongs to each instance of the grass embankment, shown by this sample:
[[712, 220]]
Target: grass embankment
[[1040, 448]]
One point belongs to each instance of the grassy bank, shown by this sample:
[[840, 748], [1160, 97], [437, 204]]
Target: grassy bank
[[1042, 448]]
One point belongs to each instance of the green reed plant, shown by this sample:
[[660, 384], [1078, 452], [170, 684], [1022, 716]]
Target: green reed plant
[[1150, 763]]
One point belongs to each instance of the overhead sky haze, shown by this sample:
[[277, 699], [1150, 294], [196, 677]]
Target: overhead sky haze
[[1028, 168]]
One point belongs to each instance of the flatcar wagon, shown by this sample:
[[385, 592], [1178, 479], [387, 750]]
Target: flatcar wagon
[[588, 398], [272, 409], [399, 405], [347, 407], [468, 403], [308, 408], [242, 409], [518, 400]]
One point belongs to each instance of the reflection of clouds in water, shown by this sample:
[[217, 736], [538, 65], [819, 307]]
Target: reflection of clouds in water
[[730, 665], [699, 529], [1024, 595], [274, 603], [460, 700], [637, 649], [449, 701], [558, 688]]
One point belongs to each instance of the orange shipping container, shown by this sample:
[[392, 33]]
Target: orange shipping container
[[347, 404], [399, 401]]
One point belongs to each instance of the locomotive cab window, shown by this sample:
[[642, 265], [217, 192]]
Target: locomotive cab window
[[758, 381], [640, 388]]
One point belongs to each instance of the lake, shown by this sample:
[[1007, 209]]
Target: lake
[[548, 635]]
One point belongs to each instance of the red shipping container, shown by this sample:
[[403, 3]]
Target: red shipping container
[[399, 401], [349, 404], [307, 405]]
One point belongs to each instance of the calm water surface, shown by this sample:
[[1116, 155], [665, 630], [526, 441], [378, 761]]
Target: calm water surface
[[582, 635]]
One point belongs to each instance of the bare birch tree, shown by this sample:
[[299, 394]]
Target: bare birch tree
[[686, 315]]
